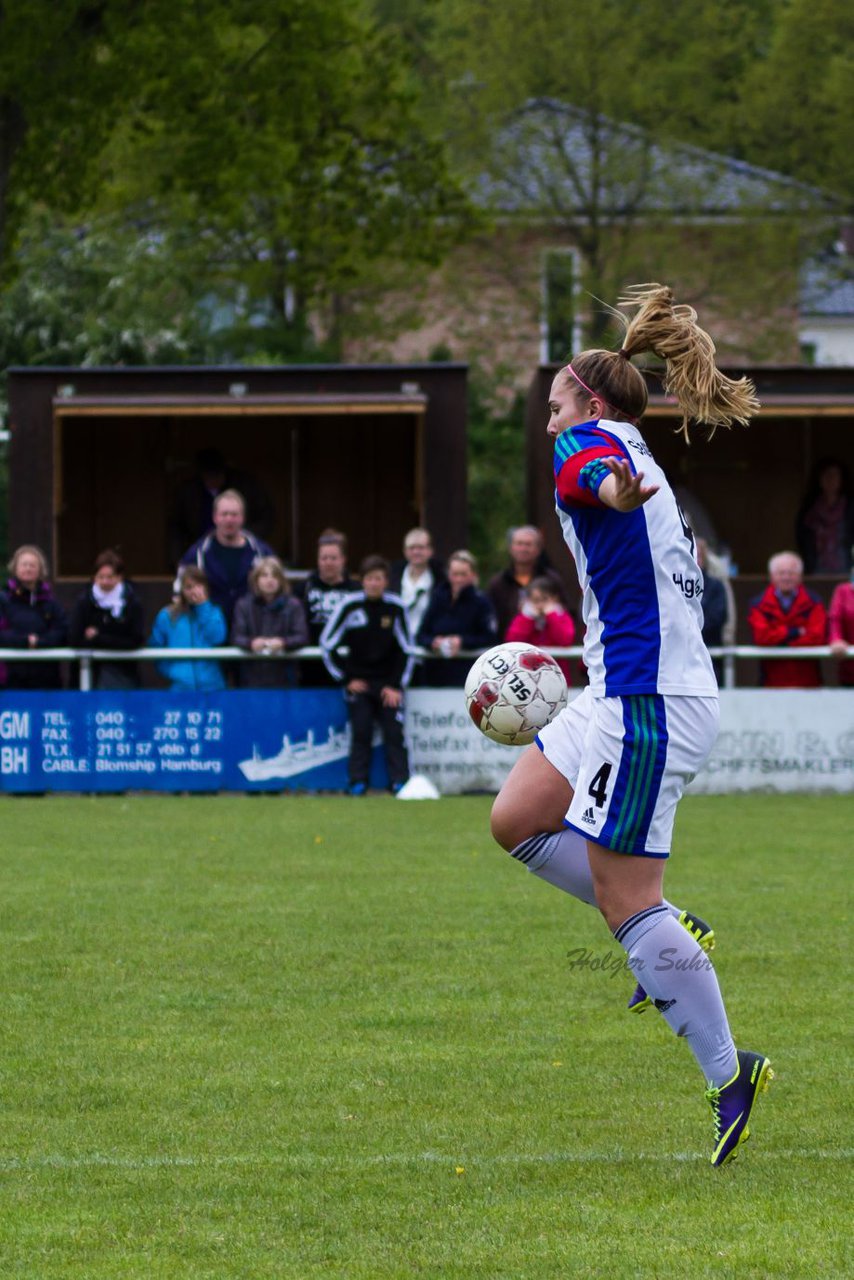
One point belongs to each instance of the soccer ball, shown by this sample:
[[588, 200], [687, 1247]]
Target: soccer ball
[[513, 691]]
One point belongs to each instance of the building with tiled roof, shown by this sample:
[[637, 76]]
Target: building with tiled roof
[[549, 160], [563, 187]]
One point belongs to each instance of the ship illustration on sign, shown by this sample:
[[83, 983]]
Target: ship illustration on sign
[[297, 757]]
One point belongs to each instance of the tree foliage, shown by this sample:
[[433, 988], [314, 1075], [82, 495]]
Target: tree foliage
[[768, 81], [798, 100], [293, 132], [100, 295], [59, 84], [305, 143], [285, 133], [675, 69]]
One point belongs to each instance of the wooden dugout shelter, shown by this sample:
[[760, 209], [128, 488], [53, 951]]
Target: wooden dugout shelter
[[750, 480], [97, 457]]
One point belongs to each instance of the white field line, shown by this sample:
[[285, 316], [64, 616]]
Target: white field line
[[312, 1160]]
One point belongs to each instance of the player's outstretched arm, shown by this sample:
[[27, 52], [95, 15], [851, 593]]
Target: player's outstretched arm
[[621, 489]]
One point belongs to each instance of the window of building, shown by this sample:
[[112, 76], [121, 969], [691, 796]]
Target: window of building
[[559, 323]]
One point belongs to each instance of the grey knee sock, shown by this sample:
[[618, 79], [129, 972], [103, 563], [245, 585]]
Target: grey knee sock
[[674, 970], [560, 857]]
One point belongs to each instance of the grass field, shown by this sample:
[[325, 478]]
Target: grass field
[[272, 1037]]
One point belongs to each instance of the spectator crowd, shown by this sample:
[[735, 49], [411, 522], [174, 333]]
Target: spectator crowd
[[231, 588]]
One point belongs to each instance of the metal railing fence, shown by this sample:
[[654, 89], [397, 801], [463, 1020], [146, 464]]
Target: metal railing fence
[[729, 654]]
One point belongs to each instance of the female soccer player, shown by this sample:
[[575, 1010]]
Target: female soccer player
[[590, 805]]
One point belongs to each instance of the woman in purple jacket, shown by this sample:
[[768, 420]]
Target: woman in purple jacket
[[30, 618], [271, 621]]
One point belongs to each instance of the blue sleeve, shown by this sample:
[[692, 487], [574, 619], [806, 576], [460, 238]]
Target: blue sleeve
[[159, 638], [211, 623]]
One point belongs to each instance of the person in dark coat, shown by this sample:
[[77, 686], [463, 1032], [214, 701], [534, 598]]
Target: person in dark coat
[[30, 618], [269, 620], [459, 616], [109, 615], [528, 560], [715, 607], [321, 594], [327, 585], [825, 522]]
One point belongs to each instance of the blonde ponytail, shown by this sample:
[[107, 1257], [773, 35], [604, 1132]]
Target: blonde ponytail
[[671, 332]]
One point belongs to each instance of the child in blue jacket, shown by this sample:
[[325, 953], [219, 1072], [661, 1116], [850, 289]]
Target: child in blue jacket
[[190, 622]]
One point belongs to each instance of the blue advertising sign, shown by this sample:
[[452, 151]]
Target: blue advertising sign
[[151, 740]]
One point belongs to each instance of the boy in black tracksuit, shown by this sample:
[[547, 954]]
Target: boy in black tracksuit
[[372, 624]]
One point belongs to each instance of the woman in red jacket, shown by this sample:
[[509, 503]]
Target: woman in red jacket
[[544, 621]]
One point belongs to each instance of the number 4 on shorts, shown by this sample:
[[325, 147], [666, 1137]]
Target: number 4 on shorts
[[598, 788]]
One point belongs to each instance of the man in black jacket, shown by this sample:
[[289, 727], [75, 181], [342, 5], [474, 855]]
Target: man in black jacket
[[228, 554], [371, 624], [508, 590]]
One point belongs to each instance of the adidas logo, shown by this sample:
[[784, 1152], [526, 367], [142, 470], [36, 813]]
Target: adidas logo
[[589, 817], [664, 1005]]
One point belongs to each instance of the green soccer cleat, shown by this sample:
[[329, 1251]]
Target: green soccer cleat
[[733, 1102], [698, 929]]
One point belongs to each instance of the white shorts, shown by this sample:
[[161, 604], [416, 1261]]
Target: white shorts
[[629, 760]]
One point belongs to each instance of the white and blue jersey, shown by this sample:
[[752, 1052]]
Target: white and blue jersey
[[642, 585]]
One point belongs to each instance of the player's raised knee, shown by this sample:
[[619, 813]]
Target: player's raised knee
[[504, 822]]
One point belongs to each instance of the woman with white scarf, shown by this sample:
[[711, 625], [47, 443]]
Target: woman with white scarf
[[108, 615]]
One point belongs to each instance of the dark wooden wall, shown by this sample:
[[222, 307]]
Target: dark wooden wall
[[95, 481], [119, 478]]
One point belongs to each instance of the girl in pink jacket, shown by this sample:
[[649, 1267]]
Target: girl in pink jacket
[[544, 622], [841, 630]]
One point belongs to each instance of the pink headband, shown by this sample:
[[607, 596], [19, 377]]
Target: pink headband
[[569, 369]]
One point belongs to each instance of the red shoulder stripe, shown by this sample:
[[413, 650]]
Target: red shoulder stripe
[[566, 481]]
